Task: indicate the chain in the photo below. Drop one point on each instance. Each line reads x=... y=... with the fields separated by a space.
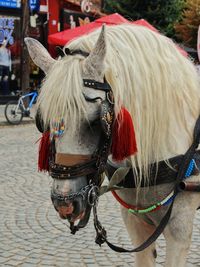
x=81 y=193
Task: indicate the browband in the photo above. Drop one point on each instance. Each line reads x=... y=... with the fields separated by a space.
x=76 y=52
x=67 y=51
x=97 y=85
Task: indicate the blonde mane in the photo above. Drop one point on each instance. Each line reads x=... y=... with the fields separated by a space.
x=148 y=76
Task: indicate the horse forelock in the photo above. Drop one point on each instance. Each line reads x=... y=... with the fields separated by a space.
x=148 y=76
x=61 y=95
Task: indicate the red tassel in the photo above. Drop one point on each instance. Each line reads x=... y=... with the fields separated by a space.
x=44 y=152
x=123 y=137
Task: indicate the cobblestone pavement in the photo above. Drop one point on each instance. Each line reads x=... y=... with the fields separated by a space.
x=31 y=233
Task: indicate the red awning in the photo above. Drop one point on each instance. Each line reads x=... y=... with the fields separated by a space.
x=62 y=38
x=144 y=23
x=112 y=19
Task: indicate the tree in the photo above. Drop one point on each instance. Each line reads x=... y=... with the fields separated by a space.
x=161 y=14
x=187 y=29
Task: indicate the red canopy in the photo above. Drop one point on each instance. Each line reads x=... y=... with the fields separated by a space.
x=62 y=38
x=144 y=23
x=112 y=19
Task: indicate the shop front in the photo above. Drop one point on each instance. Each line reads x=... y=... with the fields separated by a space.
x=69 y=14
x=10 y=63
x=11 y=43
x=46 y=17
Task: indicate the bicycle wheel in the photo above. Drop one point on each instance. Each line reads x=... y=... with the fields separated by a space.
x=13 y=112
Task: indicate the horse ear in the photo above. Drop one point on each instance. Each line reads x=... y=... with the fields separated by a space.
x=94 y=63
x=39 y=54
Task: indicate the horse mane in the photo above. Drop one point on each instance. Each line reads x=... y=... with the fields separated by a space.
x=148 y=75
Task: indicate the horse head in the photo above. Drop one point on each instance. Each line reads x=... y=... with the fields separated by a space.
x=81 y=150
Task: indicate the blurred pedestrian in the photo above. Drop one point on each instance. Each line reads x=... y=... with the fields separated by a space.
x=5 y=68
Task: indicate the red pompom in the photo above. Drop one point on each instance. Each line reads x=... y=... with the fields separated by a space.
x=44 y=152
x=123 y=136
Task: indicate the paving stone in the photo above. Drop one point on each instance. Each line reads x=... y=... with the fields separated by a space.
x=31 y=232
x=32 y=260
x=12 y=263
x=27 y=265
x=3 y=260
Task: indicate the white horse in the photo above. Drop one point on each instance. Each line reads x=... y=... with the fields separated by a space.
x=160 y=89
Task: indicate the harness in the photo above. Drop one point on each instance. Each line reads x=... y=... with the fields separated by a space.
x=97 y=165
x=162 y=173
x=183 y=169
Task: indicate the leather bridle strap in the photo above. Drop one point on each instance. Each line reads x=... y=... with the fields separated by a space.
x=71 y=159
x=101 y=232
x=97 y=85
x=59 y=171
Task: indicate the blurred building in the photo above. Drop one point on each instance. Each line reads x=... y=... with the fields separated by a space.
x=46 y=17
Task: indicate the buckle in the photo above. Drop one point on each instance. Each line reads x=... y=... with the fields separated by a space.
x=101 y=237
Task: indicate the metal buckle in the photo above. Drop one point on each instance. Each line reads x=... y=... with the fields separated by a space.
x=110 y=98
x=93 y=195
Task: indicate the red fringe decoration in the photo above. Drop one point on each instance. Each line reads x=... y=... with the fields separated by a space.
x=44 y=152
x=123 y=137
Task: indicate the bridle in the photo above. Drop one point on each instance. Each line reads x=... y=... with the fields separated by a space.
x=93 y=168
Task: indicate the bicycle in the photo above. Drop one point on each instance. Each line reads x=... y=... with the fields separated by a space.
x=16 y=110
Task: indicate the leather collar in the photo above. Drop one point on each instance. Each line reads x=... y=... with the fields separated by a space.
x=160 y=174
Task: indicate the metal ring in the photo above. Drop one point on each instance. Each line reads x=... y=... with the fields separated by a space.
x=108 y=98
x=93 y=195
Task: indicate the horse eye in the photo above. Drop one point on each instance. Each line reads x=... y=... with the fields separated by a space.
x=89 y=99
x=95 y=123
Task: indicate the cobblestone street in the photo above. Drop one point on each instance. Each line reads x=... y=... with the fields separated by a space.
x=31 y=232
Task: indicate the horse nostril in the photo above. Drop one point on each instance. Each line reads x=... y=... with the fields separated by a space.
x=65 y=210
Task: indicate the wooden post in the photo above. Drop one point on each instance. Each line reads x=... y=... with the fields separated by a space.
x=25 y=66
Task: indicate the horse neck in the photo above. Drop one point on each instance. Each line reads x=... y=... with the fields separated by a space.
x=183 y=136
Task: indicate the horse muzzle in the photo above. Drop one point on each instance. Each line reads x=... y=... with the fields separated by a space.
x=73 y=198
